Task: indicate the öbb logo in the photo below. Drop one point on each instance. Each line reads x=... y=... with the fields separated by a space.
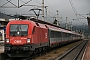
x=17 y=41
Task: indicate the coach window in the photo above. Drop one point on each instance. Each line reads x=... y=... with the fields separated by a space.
x=69 y=35
x=52 y=35
x=59 y=35
x=56 y=34
x=65 y=36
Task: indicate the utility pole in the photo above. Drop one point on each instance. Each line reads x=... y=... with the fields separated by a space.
x=71 y=26
x=43 y=10
x=46 y=12
x=83 y=28
x=66 y=22
x=57 y=17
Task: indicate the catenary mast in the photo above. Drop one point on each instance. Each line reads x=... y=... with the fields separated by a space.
x=43 y=10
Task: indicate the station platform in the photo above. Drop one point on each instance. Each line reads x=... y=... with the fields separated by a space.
x=86 y=55
x=1 y=42
x=1 y=47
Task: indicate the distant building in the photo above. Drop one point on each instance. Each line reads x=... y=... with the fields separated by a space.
x=5 y=16
x=4 y=19
x=3 y=22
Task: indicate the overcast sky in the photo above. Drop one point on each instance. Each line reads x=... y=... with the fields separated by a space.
x=63 y=6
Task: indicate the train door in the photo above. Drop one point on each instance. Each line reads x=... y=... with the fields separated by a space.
x=49 y=35
x=41 y=35
x=36 y=35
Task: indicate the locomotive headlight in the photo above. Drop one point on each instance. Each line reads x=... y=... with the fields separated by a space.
x=7 y=40
x=28 y=40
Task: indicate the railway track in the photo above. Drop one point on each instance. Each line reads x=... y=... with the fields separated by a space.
x=58 y=53
x=75 y=53
x=54 y=54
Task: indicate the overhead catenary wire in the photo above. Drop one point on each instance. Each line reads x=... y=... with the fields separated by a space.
x=75 y=12
x=38 y=2
x=73 y=8
x=53 y=7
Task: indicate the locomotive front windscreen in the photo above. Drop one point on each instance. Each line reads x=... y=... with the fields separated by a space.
x=18 y=30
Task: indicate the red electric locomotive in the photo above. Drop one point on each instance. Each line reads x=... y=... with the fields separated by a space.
x=25 y=37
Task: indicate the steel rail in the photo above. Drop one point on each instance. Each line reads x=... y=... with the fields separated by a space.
x=80 y=51
x=62 y=56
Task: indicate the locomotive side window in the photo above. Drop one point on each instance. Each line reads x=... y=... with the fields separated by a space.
x=18 y=30
x=33 y=30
